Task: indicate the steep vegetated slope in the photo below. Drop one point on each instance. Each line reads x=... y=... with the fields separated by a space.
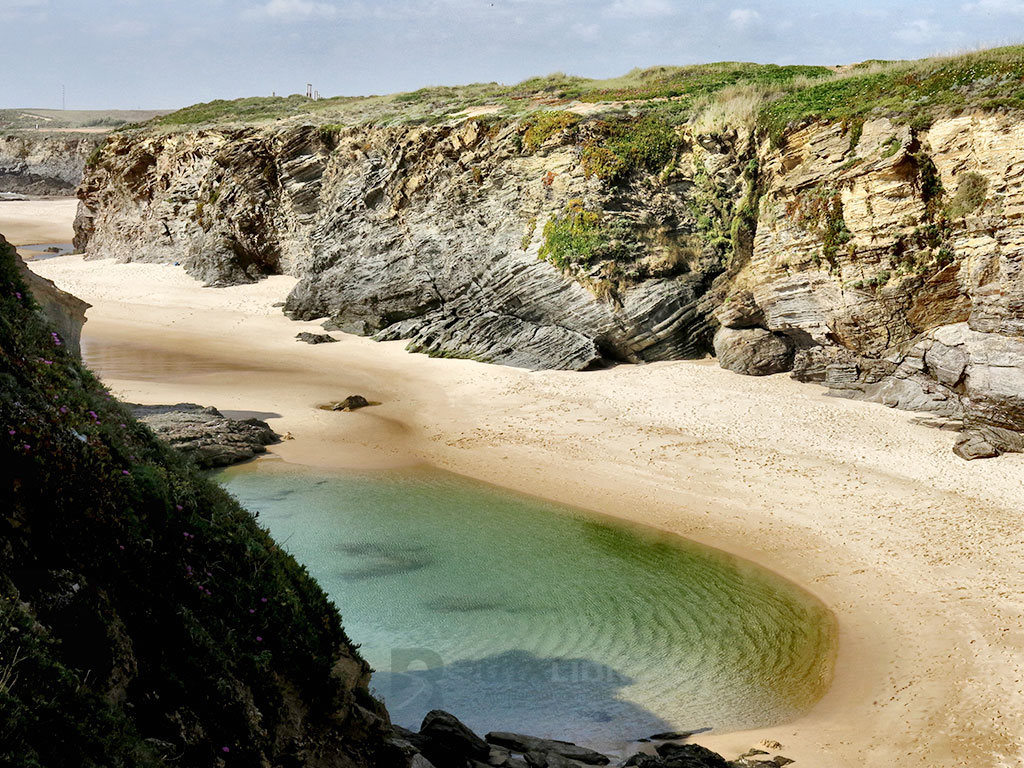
x=145 y=618
x=861 y=228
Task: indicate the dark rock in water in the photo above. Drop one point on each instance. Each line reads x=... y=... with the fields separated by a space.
x=449 y=742
x=350 y=403
x=205 y=434
x=671 y=736
x=315 y=338
x=690 y=756
x=518 y=742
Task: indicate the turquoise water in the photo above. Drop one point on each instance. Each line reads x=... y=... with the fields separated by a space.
x=518 y=614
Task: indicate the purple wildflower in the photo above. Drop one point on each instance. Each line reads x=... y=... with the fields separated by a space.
x=225 y=749
x=63 y=409
x=178 y=507
x=11 y=432
x=263 y=599
x=259 y=639
x=125 y=472
x=28 y=447
x=120 y=546
x=17 y=294
x=252 y=610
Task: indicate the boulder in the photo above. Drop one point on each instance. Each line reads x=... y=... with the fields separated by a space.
x=689 y=756
x=351 y=403
x=518 y=742
x=447 y=741
x=204 y=434
x=753 y=351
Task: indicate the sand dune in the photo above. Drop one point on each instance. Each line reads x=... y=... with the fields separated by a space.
x=917 y=552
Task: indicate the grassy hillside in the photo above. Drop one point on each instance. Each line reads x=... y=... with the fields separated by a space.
x=73 y=119
x=772 y=97
x=145 y=616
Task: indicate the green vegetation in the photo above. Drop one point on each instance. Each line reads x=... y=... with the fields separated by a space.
x=929 y=184
x=578 y=238
x=143 y=614
x=970 y=195
x=820 y=210
x=541 y=126
x=912 y=92
x=711 y=96
x=674 y=93
x=615 y=149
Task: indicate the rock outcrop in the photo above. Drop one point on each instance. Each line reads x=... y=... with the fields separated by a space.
x=893 y=265
x=429 y=234
x=205 y=435
x=44 y=164
x=879 y=260
x=443 y=741
x=65 y=312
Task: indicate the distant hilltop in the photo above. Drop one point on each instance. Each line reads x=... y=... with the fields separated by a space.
x=74 y=120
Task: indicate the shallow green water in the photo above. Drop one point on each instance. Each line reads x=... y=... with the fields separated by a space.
x=518 y=614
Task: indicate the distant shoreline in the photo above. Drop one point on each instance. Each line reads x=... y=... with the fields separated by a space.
x=914 y=550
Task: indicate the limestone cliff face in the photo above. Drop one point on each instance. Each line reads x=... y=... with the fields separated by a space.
x=44 y=164
x=883 y=262
x=891 y=264
x=429 y=234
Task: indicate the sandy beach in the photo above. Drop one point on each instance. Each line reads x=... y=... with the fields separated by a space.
x=917 y=552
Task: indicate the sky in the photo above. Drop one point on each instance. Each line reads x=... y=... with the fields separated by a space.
x=157 y=54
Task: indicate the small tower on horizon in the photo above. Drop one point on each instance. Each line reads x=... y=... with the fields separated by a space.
x=309 y=90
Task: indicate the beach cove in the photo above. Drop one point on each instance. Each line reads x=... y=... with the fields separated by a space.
x=865 y=507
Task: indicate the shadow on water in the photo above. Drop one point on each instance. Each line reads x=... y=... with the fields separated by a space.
x=381 y=559
x=566 y=698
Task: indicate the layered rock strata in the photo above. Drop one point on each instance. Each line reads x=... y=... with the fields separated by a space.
x=881 y=261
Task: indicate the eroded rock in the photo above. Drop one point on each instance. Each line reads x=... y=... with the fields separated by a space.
x=204 y=434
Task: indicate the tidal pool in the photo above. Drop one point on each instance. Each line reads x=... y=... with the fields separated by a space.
x=518 y=614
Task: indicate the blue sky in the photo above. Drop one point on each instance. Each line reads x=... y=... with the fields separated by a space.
x=163 y=53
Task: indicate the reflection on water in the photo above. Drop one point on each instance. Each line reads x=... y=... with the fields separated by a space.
x=517 y=614
x=131 y=361
x=40 y=251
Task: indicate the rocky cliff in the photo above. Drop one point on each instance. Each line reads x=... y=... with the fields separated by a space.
x=880 y=257
x=44 y=163
x=146 y=619
x=888 y=265
x=429 y=234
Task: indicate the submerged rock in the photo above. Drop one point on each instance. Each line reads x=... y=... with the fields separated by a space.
x=205 y=434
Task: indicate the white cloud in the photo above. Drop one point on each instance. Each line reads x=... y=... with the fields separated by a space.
x=586 y=31
x=639 y=9
x=999 y=7
x=22 y=9
x=292 y=10
x=745 y=17
x=917 y=31
x=125 y=28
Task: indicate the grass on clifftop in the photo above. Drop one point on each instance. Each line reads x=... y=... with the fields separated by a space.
x=914 y=92
x=144 y=615
x=720 y=94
